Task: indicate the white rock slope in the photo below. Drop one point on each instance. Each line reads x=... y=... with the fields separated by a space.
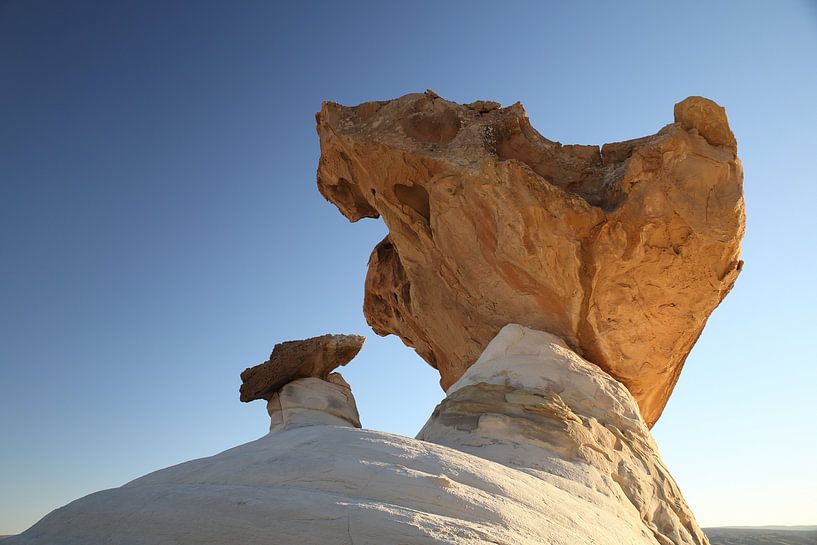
x=536 y=446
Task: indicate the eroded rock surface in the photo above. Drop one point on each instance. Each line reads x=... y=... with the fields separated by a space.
x=533 y=445
x=623 y=251
x=333 y=485
x=532 y=403
x=313 y=401
x=316 y=357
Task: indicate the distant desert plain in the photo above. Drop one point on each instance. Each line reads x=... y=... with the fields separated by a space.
x=765 y=535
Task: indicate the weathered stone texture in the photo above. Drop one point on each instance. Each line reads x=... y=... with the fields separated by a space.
x=316 y=357
x=623 y=250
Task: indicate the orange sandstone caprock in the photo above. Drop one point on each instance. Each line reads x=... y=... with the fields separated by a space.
x=623 y=251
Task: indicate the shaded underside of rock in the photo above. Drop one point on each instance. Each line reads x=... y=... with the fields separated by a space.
x=623 y=250
x=315 y=357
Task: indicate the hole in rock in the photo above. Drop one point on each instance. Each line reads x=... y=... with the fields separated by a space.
x=350 y=199
x=415 y=197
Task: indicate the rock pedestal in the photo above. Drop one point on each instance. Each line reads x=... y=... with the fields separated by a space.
x=312 y=401
x=532 y=403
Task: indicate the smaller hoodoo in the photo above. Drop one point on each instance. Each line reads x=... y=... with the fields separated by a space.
x=298 y=383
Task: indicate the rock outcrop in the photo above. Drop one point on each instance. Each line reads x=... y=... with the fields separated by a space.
x=533 y=445
x=532 y=403
x=311 y=401
x=623 y=251
x=512 y=263
x=315 y=357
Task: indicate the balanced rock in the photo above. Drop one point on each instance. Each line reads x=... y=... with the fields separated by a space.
x=315 y=357
x=623 y=251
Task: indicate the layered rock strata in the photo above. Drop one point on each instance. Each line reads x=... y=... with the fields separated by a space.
x=311 y=401
x=533 y=445
x=621 y=250
x=532 y=403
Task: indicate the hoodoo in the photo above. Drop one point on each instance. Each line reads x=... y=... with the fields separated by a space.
x=622 y=250
x=557 y=289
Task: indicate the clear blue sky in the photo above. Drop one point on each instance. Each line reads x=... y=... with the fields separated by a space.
x=160 y=227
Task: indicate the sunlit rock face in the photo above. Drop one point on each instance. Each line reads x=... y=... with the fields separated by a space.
x=622 y=250
x=532 y=445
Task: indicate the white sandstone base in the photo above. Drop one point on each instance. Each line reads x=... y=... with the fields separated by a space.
x=537 y=447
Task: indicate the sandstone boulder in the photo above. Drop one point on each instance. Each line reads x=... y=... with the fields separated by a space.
x=291 y=360
x=621 y=250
